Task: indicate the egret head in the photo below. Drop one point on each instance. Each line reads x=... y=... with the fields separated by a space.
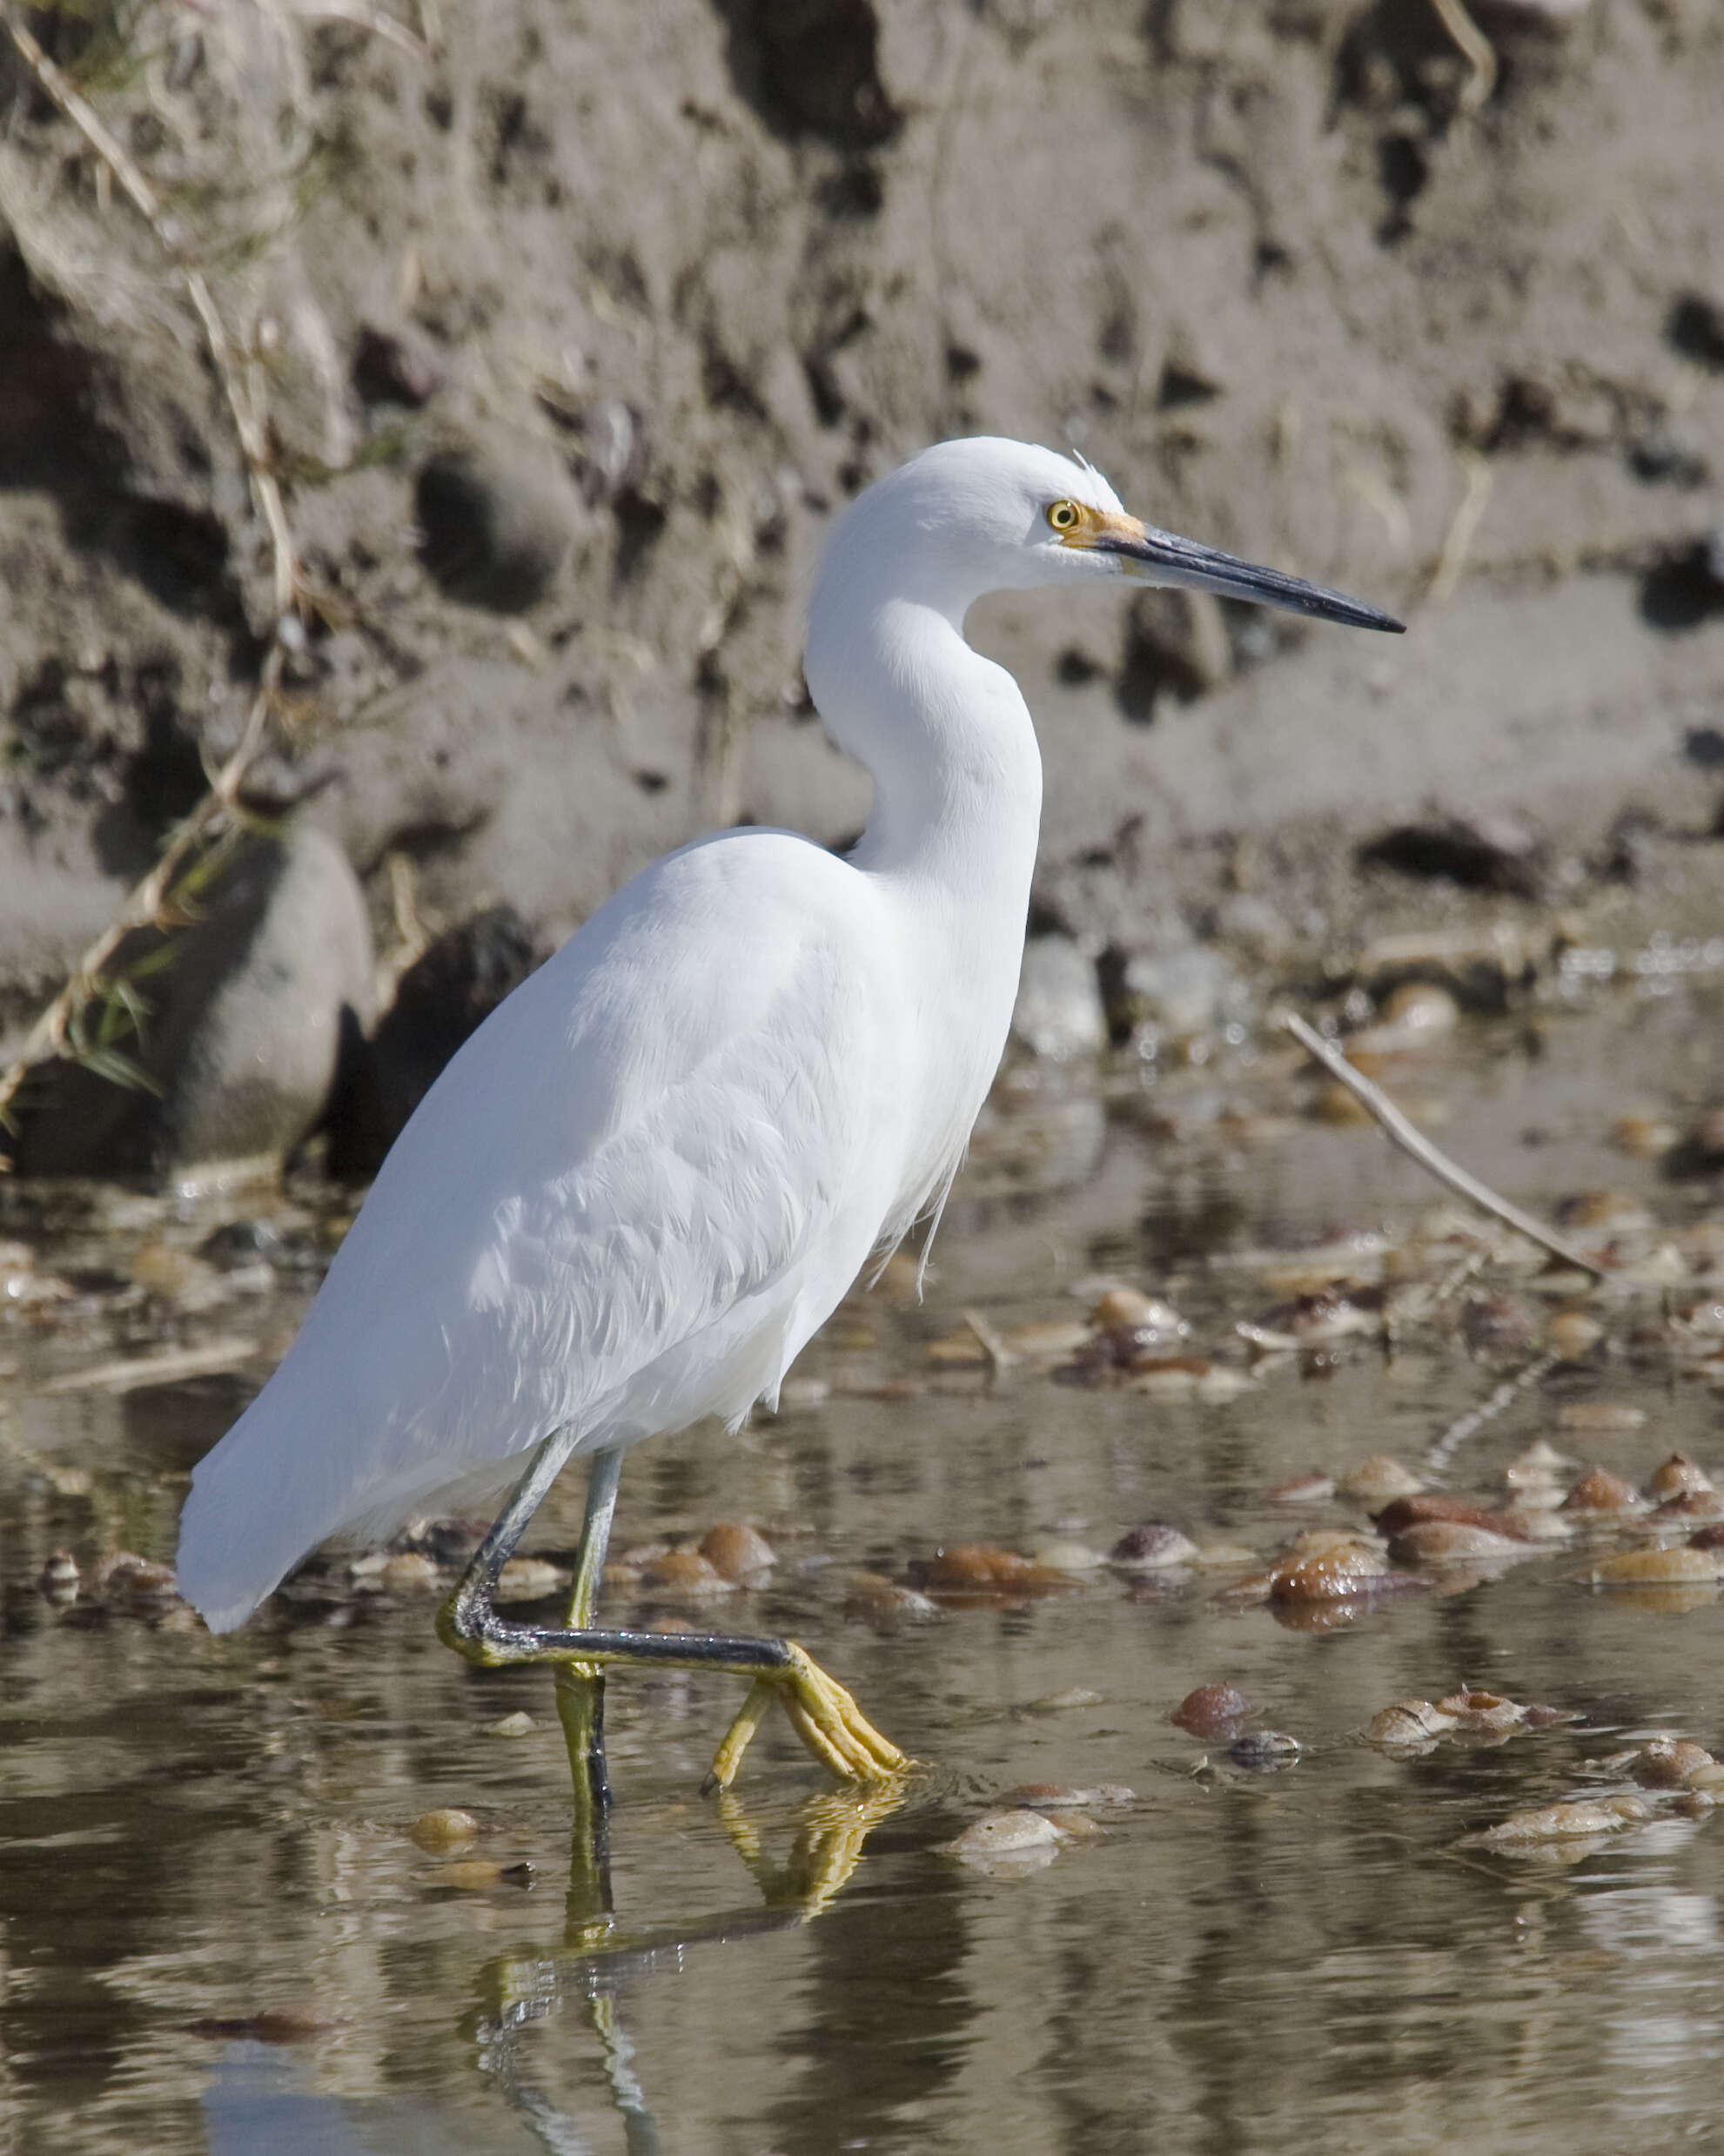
x=984 y=515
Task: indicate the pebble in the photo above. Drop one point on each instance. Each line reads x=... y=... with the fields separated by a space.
x=1153 y=1547
x=521 y=1724
x=1129 y=1310
x=444 y=1829
x=1407 y=1512
x=137 y=1585
x=1212 y=1712
x=1481 y=1714
x=1063 y=1554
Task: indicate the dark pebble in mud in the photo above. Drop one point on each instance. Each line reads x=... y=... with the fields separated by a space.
x=1212 y=1711
x=1264 y=1750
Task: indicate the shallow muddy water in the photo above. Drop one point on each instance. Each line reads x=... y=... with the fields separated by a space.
x=218 y=1933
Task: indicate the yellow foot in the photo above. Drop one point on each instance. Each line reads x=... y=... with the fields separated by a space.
x=822 y=1713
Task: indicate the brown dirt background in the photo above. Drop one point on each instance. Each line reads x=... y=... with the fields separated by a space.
x=1260 y=261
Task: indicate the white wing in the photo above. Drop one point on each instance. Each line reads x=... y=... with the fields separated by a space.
x=626 y=1203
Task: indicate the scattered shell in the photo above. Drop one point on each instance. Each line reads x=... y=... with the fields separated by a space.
x=1262 y=1749
x=1377 y=1480
x=1670 y=1764
x=870 y=1598
x=1571 y=1333
x=1597 y=1414
x=1074 y=1696
x=1329 y=1574
x=474 y=1875
x=1654 y=1568
x=1064 y=1554
x=1212 y=1711
x=1303 y=1489
x=1005 y=1842
x=1599 y=1490
x=1129 y=1310
x=1644 y=1136
x=137 y=1585
x=980 y=1568
x=1482 y=1713
x=1678 y=1476
x=444 y=1829
x=1556 y=1823
x=1444 y=1541
x=1540 y=1466
x=1408 y=1725
x=409 y=1573
x=59 y=1578
x=528 y=1580
x=1152 y=1547
x=1059 y=1796
x=737 y=1551
x=1407 y=1512
x=687 y=1574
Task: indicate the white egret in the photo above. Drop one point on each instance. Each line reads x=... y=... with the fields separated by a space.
x=652 y=1173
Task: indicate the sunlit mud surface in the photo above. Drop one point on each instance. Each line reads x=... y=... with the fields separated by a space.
x=218 y=1931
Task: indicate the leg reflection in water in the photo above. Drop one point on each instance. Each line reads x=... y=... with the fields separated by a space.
x=602 y=1957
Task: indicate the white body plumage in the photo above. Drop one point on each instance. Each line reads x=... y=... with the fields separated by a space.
x=653 y=1173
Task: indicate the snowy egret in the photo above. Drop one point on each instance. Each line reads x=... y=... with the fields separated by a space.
x=649 y=1176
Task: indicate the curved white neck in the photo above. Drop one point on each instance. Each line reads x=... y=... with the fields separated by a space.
x=948 y=741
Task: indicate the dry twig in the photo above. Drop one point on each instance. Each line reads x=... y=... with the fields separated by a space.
x=148 y=900
x=1476 y=50
x=1416 y=1147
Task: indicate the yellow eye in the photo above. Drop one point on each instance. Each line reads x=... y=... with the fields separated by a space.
x=1065 y=516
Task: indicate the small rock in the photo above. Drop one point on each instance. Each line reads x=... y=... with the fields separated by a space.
x=1490 y=852
x=1655 y=1568
x=1595 y=1415
x=1678 y=1476
x=1449 y=1542
x=1571 y=1333
x=1556 y=1822
x=961 y=1568
x=1667 y=1764
x=521 y=1724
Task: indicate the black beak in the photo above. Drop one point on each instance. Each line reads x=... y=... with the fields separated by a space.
x=1184 y=562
